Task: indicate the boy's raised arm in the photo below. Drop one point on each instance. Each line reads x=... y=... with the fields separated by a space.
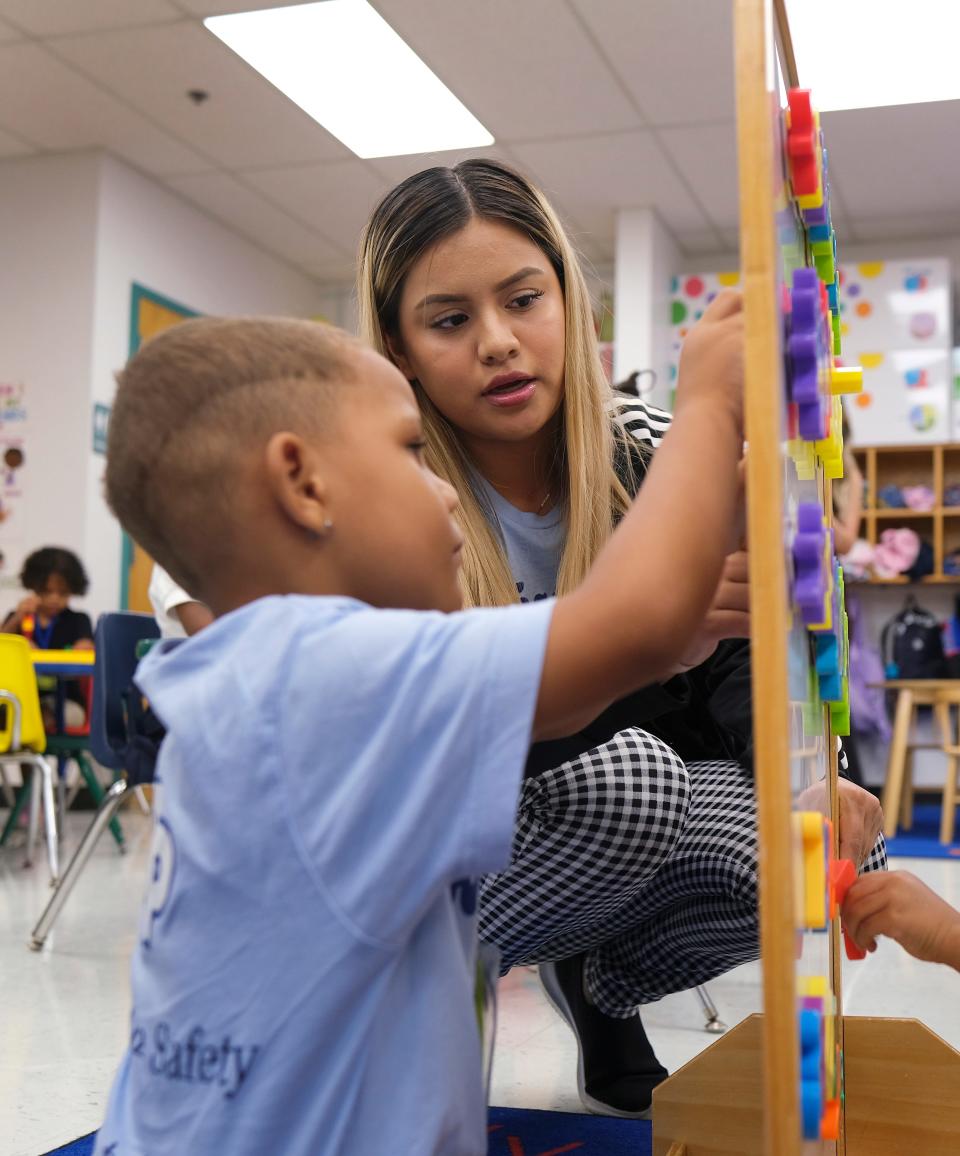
x=645 y=597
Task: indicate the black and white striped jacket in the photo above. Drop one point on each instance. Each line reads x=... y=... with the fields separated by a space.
x=704 y=714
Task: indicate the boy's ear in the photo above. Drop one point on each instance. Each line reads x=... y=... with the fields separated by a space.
x=295 y=480
x=399 y=358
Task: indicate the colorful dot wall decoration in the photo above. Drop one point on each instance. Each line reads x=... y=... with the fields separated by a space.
x=894 y=322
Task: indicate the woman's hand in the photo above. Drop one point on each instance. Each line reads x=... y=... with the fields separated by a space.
x=861 y=817
x=728 y=617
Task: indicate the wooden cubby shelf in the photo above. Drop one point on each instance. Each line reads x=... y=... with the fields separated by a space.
x=936 y=466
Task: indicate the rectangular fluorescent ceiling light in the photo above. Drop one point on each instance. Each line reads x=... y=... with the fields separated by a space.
x=343 y=64
x=871 y=53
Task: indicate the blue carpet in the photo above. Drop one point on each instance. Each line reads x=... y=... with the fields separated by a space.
x=923 y=841
x=81 y=1147
x=521 y=1132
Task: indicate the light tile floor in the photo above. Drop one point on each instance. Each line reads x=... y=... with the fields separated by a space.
x=63 y=1018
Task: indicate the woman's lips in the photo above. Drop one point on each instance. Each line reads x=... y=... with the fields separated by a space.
x=515 y=393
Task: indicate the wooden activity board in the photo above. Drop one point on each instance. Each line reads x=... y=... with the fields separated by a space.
x=801 y=1078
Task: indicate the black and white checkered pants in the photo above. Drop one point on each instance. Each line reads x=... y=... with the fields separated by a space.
x=646 y=864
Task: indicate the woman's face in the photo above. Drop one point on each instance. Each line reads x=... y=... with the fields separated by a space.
x=481 y=327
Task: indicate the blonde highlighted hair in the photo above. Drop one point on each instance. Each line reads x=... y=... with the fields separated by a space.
x=421 y=211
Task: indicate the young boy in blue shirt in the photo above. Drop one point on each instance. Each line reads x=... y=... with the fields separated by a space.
x=343 y=754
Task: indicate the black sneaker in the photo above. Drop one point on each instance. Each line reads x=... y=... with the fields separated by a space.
x=616 y=1067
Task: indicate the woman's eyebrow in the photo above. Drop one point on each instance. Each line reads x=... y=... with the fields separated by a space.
x=527 y=271
x=457 y=298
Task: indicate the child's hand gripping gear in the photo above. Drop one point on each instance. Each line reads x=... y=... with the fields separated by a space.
x=711 y=361
x=27 y=607
x=898 y=905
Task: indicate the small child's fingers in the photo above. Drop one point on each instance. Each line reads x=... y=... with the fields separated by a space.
x=871 y=928
x=861 y=906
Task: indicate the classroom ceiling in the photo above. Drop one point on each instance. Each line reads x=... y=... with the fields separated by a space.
x=607 y=103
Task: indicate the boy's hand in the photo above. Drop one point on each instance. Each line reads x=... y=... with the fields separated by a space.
x=898 y=905
x=728 y=617
x=711 y=360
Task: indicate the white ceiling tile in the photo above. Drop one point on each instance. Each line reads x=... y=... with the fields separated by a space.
x=698 y=242
x=675 y=58
x=247 y=212
x=12 y=146
x=731 y=239
x=219 y=7
x=397 y=169
x=525 y=70
x=245 y=121
x=894 y=162
x=590 y=178
x=913 y=227
x=706 y=155
x=50 y=105
x=336 y=198
x=8 y=33
x=60 y=17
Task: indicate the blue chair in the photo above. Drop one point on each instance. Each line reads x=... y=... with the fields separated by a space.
x=119 y=739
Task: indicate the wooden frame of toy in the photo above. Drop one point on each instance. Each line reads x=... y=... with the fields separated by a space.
x=801 y=1078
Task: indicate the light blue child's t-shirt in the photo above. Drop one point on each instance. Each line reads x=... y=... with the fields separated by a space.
x=333 y=779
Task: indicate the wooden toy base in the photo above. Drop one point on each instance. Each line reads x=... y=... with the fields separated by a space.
x=902 y=1085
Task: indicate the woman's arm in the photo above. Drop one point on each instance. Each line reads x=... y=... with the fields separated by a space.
x=846 y=520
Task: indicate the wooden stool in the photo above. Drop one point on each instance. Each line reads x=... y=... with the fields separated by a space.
x=898 y=789
x=951 y=748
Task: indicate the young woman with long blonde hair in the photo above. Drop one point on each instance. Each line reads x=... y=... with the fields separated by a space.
x=634 y=867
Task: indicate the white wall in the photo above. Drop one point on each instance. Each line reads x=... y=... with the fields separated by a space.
x=947 y=246
x=148 y=235
x=47 y=253
x=78 y=231
x=646 y=260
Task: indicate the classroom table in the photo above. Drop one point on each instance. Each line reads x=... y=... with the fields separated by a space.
x=63 y=663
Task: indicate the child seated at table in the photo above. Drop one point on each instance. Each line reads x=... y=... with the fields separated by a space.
x=344 y=753
x=54 y=575
x=897 y=904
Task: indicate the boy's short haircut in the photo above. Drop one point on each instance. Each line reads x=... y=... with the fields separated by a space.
x=49 y=560
x=189 y=403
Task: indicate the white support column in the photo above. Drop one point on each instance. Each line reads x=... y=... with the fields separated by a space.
x=646 y=261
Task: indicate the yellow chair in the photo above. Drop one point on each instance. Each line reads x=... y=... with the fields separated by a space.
x=23 y=741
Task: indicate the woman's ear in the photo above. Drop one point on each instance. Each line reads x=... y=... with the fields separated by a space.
x=398 y=357
x=296 y=483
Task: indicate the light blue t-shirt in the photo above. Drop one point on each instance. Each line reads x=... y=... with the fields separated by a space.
x=533 y=544
x=333 y=779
